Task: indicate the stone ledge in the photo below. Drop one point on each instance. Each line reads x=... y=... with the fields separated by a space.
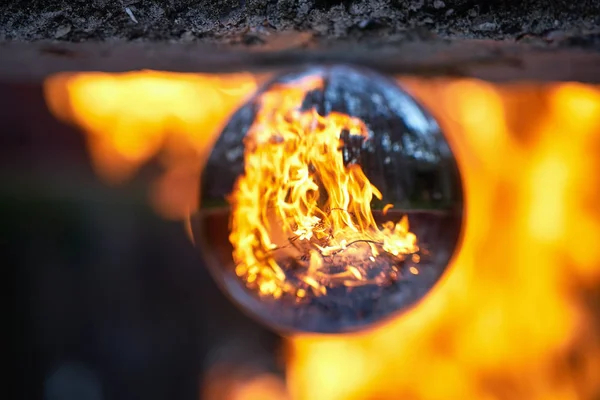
x=494 y=61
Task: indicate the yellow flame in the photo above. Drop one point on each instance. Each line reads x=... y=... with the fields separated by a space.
x=226 y=381
x=130 y=118
x=507 y=320
x=512 y=318
x=262 y=387
x=296 y=186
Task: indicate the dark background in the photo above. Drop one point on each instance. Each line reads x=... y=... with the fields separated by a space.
x=104 y=291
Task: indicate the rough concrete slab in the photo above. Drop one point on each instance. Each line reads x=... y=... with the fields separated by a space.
x=495 y=61
x=250 y=22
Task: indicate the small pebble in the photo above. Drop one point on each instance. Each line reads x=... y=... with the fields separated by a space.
x=129 y=12
x=555 y=35
x=62 y=31
x=416 y=5
x=187 y=36
x=437 y=4
x=486 y=27
x=321 y=28
x=250 y=39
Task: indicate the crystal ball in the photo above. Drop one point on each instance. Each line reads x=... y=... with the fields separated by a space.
x=330 y=202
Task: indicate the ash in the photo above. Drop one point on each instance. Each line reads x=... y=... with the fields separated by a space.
x=380 y=270
x=350 y=309
x=389 y=285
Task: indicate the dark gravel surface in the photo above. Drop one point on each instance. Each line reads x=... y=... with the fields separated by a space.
x=257 y=22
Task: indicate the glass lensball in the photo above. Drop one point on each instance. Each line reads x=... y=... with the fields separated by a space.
x=331 y=201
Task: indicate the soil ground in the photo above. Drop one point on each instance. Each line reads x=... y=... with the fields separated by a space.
x=254 y=23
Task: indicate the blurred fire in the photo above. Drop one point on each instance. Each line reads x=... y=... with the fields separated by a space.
x=517 y=315
x=227 y=381
x=131 y=118
x=510 y=319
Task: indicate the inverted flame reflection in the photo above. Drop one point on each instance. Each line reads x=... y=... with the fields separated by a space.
x=298 y=200
x=516 y=316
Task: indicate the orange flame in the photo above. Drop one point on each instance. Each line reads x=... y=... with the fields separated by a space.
x=296 y=187
x=514 y=316
x=229 y=382
x=509 y=319
x=133 y=117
